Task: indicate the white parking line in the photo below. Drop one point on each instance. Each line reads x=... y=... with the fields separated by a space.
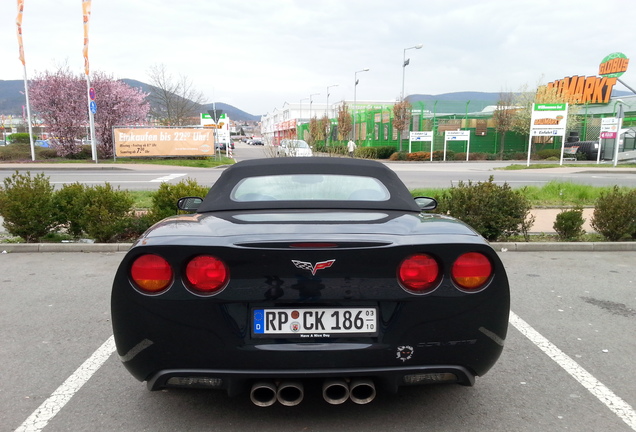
x=167 y=178
x=50 y=407
x=621 y=408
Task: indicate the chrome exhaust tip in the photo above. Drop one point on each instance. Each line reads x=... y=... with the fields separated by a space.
x=263 y=393
x=335 y=391
x=290 y=393
x=362 y=391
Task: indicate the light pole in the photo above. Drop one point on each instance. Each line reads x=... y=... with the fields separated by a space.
x=355 y=87
x=405 y=63
x=328 y=115
x=300 y=117
x=311 y=102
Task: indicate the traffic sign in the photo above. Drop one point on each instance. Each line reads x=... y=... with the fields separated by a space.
x=91 y=93
x=93 y=107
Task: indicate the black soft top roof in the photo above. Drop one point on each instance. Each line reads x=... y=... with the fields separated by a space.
x=218 y=198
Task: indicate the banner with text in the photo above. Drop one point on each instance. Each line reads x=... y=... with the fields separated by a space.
x=163 y=142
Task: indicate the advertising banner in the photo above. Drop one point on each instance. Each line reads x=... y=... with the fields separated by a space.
x=19 y=24
x=135 y=142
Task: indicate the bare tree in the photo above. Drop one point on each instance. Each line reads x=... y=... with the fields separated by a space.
x=344 y=122
x=174 y=102
x=401 y=118
x=503 y=118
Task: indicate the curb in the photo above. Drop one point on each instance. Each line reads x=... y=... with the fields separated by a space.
x=499 y=247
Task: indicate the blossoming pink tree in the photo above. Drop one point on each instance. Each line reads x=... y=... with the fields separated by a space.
x=60 y=98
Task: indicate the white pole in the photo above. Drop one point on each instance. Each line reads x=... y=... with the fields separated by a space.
x=28 y=107
x=91 y=119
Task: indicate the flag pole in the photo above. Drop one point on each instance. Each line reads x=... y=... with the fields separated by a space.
x=18 y=22
x=28 y=108
x=92 y=106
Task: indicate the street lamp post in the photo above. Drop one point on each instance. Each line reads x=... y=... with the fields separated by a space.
x=405 y=63
x=328 y=115
x=355 y=87
x=311 y=102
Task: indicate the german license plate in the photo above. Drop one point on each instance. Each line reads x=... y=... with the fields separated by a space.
x=314 y=322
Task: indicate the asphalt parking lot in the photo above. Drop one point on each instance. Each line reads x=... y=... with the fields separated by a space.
x=568 y=363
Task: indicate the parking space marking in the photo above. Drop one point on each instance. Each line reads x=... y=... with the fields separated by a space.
x=621 y=408
x=60 y=397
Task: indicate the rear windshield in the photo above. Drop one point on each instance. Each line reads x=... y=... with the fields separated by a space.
x=309 y=187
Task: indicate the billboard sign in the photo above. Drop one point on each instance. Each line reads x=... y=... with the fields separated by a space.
x=135 y=142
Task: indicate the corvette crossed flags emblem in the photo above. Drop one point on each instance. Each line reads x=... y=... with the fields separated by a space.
x=313 y=268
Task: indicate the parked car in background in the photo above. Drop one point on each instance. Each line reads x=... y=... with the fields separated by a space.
x=294 y=272
x=289 y=147
x=41 y=143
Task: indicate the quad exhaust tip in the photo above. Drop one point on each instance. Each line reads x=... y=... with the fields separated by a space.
x=263 y=394
x=362 y=391
x=291 y=393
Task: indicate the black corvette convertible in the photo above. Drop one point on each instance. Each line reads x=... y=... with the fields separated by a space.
x=323 y=272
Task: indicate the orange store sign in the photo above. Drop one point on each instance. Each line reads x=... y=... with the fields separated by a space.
x=592 y=89
x=582 y=90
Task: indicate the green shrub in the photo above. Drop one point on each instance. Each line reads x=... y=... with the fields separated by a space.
x=70 y=203
x=164 y=201
x=399 y=156
x=384 y=152
x=21 y=138
x=615 y=214
x=26 y=204
x=493 y=211
x=107 y=214
x=569 y=224
x=549 y=153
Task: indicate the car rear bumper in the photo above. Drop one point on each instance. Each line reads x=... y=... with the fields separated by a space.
x=238 y=381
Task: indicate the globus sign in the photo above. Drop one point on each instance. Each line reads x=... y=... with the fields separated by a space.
x=614 y=65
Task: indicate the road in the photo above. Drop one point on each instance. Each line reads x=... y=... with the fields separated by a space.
x=414 y=175
x=568 y=363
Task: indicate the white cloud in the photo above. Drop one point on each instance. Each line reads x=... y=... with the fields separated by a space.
x=257 y=55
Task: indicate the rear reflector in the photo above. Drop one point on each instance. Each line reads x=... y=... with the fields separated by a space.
x=151 y=273
x=419 y=273
x=471 y=271
x=430 y=378
x=195 y=382
x=206 y=275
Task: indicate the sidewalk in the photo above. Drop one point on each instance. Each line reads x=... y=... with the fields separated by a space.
x=543 y=224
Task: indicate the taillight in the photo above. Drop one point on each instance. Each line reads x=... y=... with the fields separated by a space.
x=471 y=271
x=206 y=275
x=419 y=273
x=151 y=273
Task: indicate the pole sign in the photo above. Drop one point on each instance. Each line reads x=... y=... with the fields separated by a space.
x=91 y=93
x=609 y=128
x=458 y=135
x=421 y=136
x=548 y=120
x=93 y=107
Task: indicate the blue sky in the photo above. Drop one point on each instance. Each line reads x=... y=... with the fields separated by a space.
x=257 y=55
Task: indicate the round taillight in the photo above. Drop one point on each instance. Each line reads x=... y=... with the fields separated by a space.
x=471 y=271
x=151 y=273
x=419 y=274
x=206 y=274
